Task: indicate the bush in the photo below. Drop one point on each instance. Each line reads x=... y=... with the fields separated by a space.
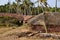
x=9 y=21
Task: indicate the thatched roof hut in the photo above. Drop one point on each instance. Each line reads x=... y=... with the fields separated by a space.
x=51 y=19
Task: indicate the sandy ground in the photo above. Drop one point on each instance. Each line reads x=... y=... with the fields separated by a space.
x=10 y=33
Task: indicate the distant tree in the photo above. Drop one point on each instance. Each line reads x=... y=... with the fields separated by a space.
x=13 y=7
x=18 y=8
x=27 y=5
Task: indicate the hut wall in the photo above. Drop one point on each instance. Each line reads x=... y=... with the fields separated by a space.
x=38 y=28
x=51 y=28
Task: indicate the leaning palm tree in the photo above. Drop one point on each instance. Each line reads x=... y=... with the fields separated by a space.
x=44 y=1
x=38 y=1
x=45 y=18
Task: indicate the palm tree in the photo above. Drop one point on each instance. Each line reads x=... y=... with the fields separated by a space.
x=30 y=6
x=24 y=5
x=34 y=8
x=44 y=1
x=38 y=8
x=13 y=7
x=27 y=7
x=9 y=6
x=39 y=2
x=18 y=5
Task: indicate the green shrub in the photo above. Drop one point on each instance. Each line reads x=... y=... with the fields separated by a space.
x=9 y=21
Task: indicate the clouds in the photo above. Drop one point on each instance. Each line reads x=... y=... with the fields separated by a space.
x=2 y=2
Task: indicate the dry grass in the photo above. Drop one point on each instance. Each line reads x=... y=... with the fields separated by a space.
x=3 y=29
x=5 y=34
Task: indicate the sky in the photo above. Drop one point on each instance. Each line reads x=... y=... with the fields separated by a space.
x=50 y=2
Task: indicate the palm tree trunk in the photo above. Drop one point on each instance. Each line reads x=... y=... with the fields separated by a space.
x=56 y=6
x=45 y=18
x=20 y=8
x=45 y=24
x=30 y=12
x=17 y=9
x=24 y=9
x=34 y=9
x=9 y=5
x=38 y=7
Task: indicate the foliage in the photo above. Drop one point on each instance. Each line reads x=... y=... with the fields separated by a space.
x=26 y=7
x=9 y=21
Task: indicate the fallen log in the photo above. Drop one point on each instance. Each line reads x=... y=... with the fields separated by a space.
x=45 y=35
x=50 y=35
x=29 y=34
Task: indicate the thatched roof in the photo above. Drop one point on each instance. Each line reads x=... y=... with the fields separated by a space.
x=27 y=17
x=51 y=19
